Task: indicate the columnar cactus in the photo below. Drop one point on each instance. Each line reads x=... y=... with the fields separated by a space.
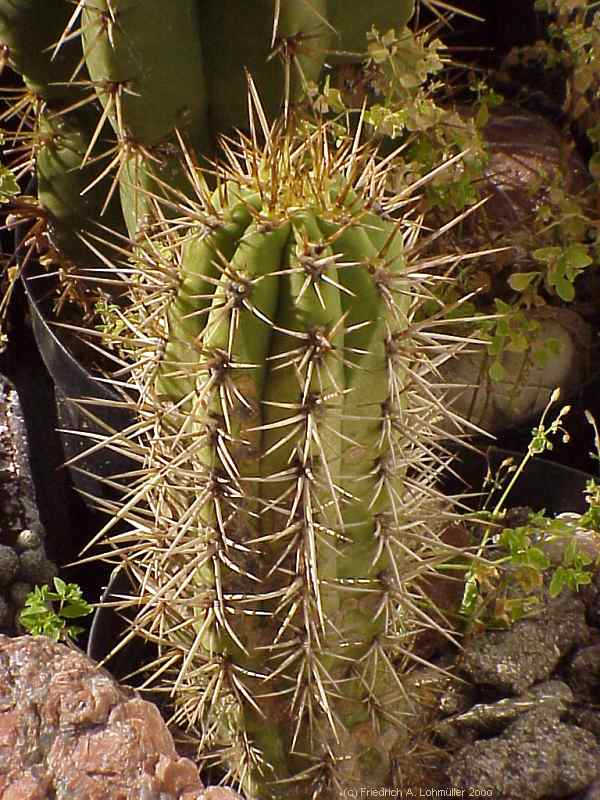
x=280 y=529
x=157 y=73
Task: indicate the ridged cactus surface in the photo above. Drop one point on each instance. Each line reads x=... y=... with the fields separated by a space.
x=280 y=523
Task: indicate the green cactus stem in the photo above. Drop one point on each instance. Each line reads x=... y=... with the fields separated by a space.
x=69 y=192
x=161 y=73
x=28 y=31
x=147 y=67
x=261 y=35
x=280 y=527
x=350 y=28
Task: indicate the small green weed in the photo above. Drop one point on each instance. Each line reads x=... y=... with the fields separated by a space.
x=513 y=565
x=48 y=612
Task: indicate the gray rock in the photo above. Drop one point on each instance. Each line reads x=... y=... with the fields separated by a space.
x=538 y=756
x=9 y=565
x=457 y=698
x=527 y=653
x=586 y=717
x=18 y=593
x=584 y=670
x=592 y=792
x=28 y=540
x=6 y=614
x=492 y=718
x=592 y=593
x=35 y=567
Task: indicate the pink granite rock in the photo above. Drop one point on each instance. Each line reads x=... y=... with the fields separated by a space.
x=69 y=731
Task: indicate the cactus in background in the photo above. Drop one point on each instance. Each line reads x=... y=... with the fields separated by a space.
x=152 y=74
x=55 y=138
x=285 y=516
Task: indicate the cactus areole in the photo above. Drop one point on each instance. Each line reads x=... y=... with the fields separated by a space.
x=278 y=528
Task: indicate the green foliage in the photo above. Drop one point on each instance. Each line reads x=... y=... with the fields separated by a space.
x=9 y=187
x=563 y=265
x=48 y=612
x=591 y=518
x=110 y=324
x=570 y=49
x=519 y=563
x=400 y=95
x=510 y=330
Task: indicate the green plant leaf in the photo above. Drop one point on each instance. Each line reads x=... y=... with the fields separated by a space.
x=577 y=256
x=594 y=166
x=558 y=582
x=496 y=371
x=546 y=254
x=40 y=616
x=537 y=558
x=8 y=184
x=519 y=281
x=76 y=608
x=565 y=289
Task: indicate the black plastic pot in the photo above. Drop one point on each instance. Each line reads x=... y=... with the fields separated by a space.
x=543 y=485
x=51 y=382
x=108 y=628
x=78 y=421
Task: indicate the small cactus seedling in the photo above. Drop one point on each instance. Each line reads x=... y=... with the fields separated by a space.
x=284 y=516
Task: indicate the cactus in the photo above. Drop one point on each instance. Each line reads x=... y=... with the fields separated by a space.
x=157 y=73
x=284 y=519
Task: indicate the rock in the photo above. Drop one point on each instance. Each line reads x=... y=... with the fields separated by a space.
x=35 y=568
x=527 y=653
x=591 y=793
x=527 y=153
x=18 y=593
x=23 y=557
x=528 y=384
x=6 y=616
x=17 y=494
x=592 y=596
x=28 y=540
x=69 y=731
x=457 y=698
x=527 y=156
x=586 y=717
x=584 y=670
x=9 y=565
x=485 y=719
x=537 y=756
